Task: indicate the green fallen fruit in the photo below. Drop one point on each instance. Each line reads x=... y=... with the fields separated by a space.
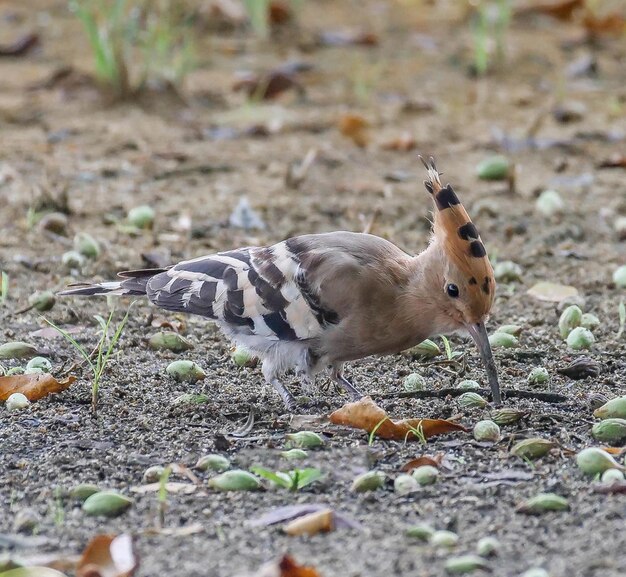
x=514 y=330
x=153 y=474
x=16 y=402
x=488 y=546
x=506 y=416
x=500 y=340
x=570 y=319
x=370 y=481
x=580 y=338
x=468 y=385
x=304 y=440
x=141 y=216
x=507 y=271
x=414 y=382
x=549 y=203
x=533 y=448
x=615 y=408
x=425 y=350
x=242 y=357
x=425 y=474
x=496 y=167
x=538 y=376
x=86 y=245
x=42 y=301
x=39 y=363
x=421 y=531
x=471 y=400
x=445 y=539
x=404 y=484
x=589 y=321
x=235 y=480
x=17 y=350
x=294 y=454
x=594 y=461
x=542 y=503
x=213 y=462
x=465 y=564
x=185 y=370
x=171 y=341
x=83 y=491
x=610 y=430
x=486 y=431
x=190 y=399
x=619 y=276
x=73 y=259
x=611 y=476
x=106 y=504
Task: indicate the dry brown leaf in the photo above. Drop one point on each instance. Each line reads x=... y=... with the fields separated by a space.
x=184 y=531
x=267 y=86
x=402 y=143
x=348 y=38
x=34 y=387
x=311 y=524
x=367 y=415
x=354 y=127
x=616 y=160
x=423 y=460
x=614 y=450
x=551 y=292
x=612 y=24
x=108 y=556
x=561 y=9
x=289 y=568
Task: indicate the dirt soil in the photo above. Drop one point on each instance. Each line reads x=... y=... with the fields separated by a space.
x=192 y=159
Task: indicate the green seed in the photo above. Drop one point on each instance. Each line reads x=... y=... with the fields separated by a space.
x=570 y=319
x=580 y=338
x=414 y=382
x=594 y=461
x=507 y=416
x=171 y=341
x=15 y=371
x=141 y=216
x=507 y=271
x=487 y=431
x=549 y=203
x=235 y=480
x=535 y=572
x=500 y=340
x=514 y=330
x=153 y=474
x=611 y=476
x=488 y=546
x=16 y=402
x=468 y=385
x=42 y=301
x=242 y=357
x=538 y=376
x=533 y=448
x=610 y=430
x=73 y=259
x=39 y=363
x=615 y=408
x=106 y=504
x=465 y=564
x=542 y=503
x=404 y=484
x=425 y=350
x=187 y=371
x=294 y=454
x=83 y=491
x=619 y=277
x=444 y=539
x=471 y=400
x=17 y=350
x=33 y=371
x=421 y=531
x=370 y=481
x=497 y=167
x=213 y=462
x=29 y=571
x=425 y=474
x=190 y=399
x=86 y=245
x=304 y=440
x=589 y=321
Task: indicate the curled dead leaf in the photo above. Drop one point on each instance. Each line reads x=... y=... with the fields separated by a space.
x=354 y=127
x=285 y=566
x=402 y=143
x=267 y=86
x=311 y=524
x=367 y=415
x=423 y=460
x=108 y=556
x=33 y=386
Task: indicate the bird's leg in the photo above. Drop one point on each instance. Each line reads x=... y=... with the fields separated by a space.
x=336 y=374
x=285 y=395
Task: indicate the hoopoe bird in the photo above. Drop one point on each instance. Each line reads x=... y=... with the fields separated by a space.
x=315 y=301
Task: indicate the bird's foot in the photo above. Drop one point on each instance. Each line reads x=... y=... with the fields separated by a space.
x=346 y=385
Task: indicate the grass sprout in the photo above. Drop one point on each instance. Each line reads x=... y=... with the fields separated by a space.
x=447 y=347
x=418 y=432
x=162 y=494
x=137 y=42
x=621 y=309
x=292 y=480
x=490 y=27
x=370 y=440
x=102 y=352
x=4 y=287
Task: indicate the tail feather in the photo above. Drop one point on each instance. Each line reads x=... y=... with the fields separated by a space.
x=134 y=284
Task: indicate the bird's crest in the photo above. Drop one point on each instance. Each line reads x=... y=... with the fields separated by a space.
x=460 y=239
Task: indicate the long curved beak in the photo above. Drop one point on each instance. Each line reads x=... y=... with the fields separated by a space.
x=479 y=334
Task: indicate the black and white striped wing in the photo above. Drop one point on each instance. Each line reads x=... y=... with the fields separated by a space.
x=254 y=291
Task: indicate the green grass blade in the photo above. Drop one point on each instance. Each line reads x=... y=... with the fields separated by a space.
x=81 y=350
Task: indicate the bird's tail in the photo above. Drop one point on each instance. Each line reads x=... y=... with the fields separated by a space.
x=133 y=283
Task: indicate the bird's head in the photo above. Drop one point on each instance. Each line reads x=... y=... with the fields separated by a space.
x=468 y=285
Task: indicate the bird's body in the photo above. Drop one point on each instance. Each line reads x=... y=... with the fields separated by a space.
x=316 y=301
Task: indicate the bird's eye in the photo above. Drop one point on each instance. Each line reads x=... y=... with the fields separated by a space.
x=452 y=290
